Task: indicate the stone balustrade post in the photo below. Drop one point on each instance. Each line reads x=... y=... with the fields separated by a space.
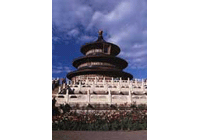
x=67 y=94
x=93 y=87
x=112 y=81
x=128 y=81
x=88 y=96
x=95 y=80
x=119 y=87
x=104 y=81
x=120 y=81
x=105 y=87
x=130 y=97
x=59 y=89
x=110 y=97
x=79 y=86
x=63 y=85
x=86 y=81
x=136 y=82
x=131 y=87
x=143 y=85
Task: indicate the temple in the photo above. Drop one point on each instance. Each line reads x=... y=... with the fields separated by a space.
x=100 y=79
x=100 y=61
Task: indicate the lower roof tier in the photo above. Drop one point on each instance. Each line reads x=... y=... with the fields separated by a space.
x=118 y=62
x=104 y=72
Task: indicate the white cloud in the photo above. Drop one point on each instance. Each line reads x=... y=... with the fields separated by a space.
x=123 y=22
x=67 y=69
x=73 y=32
x=86 y=38
x=68 y=14
x=126 y=26
x=60 y=69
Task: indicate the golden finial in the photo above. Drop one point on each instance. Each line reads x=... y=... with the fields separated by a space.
x=100 y=32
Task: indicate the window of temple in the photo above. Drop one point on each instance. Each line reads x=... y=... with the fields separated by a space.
x=94 y=51
x=94 y=63
x=105 y=50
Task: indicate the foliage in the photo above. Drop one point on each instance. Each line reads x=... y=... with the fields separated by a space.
x=142 y=107
x=117 y=120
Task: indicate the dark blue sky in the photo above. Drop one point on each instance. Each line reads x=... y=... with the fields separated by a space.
x=77 y=22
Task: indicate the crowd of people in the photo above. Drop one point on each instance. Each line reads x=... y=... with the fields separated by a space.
x=58 y=81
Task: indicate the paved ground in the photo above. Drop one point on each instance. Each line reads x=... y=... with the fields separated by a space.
x=99 y=135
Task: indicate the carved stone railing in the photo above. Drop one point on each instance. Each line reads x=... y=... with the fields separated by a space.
x=134 y=91
x=100 y=99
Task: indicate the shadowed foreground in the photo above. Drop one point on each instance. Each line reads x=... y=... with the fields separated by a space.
x=99 y=135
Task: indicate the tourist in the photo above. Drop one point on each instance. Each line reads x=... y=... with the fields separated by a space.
x=57 y=82
x=53 y=84
x=63 y=81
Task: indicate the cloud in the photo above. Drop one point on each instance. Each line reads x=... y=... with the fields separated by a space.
x=68 y=14
x=73 y=32
x=86 y=38
x=60 y=69
x=124 y=23
x=126 y=26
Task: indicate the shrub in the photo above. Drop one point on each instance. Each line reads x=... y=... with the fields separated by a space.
x=142 y=107
x=104 y=121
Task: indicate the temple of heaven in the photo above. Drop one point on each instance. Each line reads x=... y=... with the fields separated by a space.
x=100 y=61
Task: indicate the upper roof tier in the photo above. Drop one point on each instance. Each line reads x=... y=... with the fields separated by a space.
x=101 y=44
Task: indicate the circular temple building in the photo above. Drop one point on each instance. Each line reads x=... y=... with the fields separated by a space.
x=99 y=61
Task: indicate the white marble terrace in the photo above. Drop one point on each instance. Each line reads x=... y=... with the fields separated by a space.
x=103 y=92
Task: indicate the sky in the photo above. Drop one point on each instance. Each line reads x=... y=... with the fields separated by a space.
x=76 y=22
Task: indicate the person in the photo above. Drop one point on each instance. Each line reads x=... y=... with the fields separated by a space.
x=60 y=81
x=53 y=102
x=53 y=84
x=63 y=91
x=57 y=82
x=63 y=81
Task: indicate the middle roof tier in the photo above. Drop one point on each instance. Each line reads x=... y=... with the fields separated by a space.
x=102 y=59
